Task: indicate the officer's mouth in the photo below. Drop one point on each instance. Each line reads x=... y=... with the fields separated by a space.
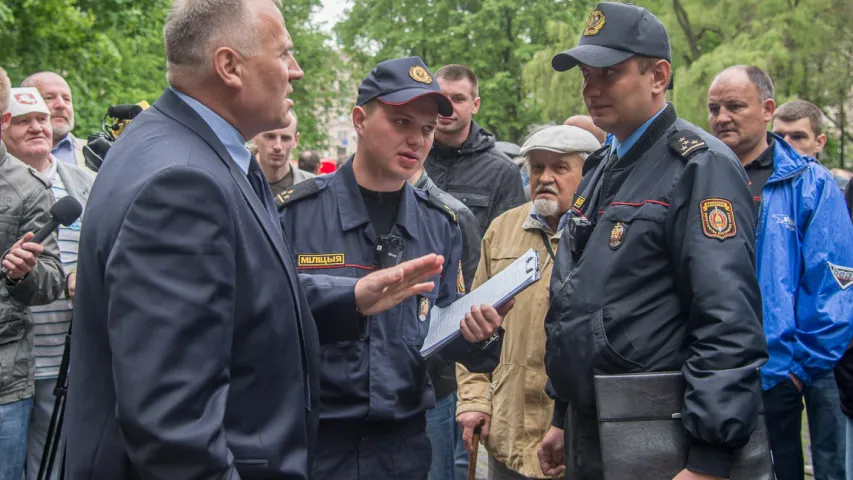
x=408 y=158
x=446 y=120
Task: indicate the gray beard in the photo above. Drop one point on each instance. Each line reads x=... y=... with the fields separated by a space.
x=546 y=207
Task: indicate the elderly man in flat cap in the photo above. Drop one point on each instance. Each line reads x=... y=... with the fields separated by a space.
x=518 y=408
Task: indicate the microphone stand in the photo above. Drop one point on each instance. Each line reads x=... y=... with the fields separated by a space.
x=54 y=432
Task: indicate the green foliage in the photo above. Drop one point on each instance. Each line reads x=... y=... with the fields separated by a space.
x=111 y=52
x=495 y=38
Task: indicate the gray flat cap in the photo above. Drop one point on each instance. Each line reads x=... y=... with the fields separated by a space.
x=561 y=139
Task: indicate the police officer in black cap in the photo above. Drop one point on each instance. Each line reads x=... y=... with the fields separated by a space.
x=658 y=270
x=365 y=216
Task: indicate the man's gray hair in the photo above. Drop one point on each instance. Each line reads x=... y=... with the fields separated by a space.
x=5 y=89
x=195 y=29
x=758 y=77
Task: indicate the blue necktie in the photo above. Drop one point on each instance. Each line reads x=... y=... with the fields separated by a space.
x=262 y=190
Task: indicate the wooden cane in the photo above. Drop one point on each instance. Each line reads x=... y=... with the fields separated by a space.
x=475 y=443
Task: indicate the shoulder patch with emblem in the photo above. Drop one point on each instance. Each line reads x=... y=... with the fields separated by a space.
x=685 y=143
x=436 y=203
x=300 y=190
x=843 y=275
x=718 y=218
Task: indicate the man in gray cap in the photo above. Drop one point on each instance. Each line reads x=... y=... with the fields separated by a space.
x=661 y=216
x=512 y=403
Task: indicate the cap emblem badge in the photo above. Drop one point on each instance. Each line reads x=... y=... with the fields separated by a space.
x=420 y=74
x=595 y=23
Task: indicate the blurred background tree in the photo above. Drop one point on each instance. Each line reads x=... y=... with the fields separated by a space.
x=111 y=51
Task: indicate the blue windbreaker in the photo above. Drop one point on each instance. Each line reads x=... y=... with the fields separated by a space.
x=804 y=250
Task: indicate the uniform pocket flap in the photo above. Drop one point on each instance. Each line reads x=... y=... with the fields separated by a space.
x=651 y=210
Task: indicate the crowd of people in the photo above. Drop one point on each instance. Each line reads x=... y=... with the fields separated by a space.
x=238 y=314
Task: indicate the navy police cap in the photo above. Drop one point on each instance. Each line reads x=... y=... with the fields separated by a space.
x=401 y=80
x=614 y=32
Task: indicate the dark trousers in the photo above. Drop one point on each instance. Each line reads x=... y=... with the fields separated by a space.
x=583 y=447
x=826 y=428
x=352 y=450
x=783 y=407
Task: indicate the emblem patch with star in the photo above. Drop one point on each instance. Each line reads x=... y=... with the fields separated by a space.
x=594 y=23
x=718 y=218
x=843 y=275
x=419 y=74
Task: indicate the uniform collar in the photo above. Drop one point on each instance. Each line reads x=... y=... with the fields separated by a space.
x=621 y=148
x=351 y=204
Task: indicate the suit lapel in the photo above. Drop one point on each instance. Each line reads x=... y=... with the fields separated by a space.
x=172 y=106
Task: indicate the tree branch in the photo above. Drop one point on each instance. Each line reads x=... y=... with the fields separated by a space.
x=832 y=120
x=684 y=23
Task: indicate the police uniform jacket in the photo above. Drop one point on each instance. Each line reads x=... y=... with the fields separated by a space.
x=665 y=282
x=381 y=376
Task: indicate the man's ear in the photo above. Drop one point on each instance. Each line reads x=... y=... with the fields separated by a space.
x=769 y=108
x=228 y=66
x=661 y=75
x=5 y=120
x=476 y=106
x=296 y=140
x=821 y=142
x=359 y=118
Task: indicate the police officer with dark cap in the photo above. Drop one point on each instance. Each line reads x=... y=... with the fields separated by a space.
x=366 y=216
x=657 y=272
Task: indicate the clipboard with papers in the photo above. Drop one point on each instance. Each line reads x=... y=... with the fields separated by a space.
x=444 y=321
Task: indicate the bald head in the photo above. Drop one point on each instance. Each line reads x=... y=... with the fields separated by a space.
x=57 y=95
x=585 y=122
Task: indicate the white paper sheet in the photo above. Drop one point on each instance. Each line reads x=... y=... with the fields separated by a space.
x=444 y=321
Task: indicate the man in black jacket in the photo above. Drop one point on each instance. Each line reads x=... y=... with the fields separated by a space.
x=443 y=432
x=658 y=271
x=464 y=161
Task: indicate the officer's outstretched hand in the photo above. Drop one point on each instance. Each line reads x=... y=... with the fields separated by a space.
x=483 y=320
x=386 y=288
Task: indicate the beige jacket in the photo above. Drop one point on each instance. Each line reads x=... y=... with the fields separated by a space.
x=514 y=396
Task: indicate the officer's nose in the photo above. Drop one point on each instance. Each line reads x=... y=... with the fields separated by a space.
x=276 y=147
x=415 y=141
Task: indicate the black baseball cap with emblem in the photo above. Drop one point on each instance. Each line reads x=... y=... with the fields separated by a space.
x=400 y=81
x=614 y=32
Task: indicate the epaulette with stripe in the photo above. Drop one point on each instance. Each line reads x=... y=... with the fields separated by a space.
x=436 y=203
x=301 y=190
x=685 y=143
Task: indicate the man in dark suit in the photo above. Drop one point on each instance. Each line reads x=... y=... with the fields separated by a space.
x=195 y=351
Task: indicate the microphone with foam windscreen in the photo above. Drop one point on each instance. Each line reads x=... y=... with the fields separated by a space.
x=63 y=212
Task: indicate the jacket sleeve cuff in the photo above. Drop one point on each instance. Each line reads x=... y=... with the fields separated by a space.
x=465 y=406
x=559 y=417
x=801 y=374
x=714 y=460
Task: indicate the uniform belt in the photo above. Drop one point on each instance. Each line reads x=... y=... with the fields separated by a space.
x=359 y=430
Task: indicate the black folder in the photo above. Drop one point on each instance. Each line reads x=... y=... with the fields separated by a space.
x=642 y=437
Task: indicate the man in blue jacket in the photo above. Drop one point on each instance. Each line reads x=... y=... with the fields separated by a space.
x=804 y=254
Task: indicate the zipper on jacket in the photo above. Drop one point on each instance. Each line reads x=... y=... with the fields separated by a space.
x=762 y=209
